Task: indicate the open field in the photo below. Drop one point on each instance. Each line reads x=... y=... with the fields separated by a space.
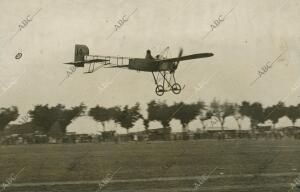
x=240 y=165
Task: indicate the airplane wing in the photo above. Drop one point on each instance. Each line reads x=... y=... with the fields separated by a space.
x=187 y=57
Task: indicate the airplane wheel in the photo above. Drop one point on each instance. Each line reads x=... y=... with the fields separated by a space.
x=159 y=90
x=176 y=88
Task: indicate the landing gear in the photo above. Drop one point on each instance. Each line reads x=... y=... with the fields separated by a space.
x=169 y=83
x=159 y=90
x=176 y=88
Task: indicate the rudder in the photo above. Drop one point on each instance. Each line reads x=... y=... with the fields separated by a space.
x=80 y=52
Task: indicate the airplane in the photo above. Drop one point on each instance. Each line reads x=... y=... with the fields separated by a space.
x=163 y=67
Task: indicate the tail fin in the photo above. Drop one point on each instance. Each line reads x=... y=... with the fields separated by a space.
x=80 y=52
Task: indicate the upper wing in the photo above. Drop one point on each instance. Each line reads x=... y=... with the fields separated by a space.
x=187 y=57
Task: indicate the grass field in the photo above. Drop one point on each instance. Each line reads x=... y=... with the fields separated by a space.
x=239 y=165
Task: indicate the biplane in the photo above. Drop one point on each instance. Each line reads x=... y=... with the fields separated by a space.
x=162 y=68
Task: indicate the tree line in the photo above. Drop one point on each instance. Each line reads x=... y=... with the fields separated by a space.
x=44 y=117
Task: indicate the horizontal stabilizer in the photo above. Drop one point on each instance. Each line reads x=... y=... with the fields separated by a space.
x=95 y=60
x=118 y=66
x=81 y=63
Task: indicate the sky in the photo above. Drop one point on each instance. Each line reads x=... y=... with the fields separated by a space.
x=252 y=34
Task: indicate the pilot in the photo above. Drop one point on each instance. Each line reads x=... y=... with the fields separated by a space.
x=148 y=55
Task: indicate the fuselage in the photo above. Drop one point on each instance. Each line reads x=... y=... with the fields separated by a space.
x=150 y=65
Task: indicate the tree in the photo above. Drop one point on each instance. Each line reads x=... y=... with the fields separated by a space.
x=100 y=114
x=114 y=112
x=254 y=112
x=203 y=117
x=126 y=117
x=237 y=115
x=161 y=112
x=45 y=117
x=275 y=112
x=221 y=111
x=69 y=115
x=56 y=130
x=7 y=115
x=186 y=113
x=146 y=124
x=293 y=113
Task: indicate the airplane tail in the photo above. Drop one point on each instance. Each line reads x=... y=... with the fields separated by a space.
x=79 y=57
x=80 y=52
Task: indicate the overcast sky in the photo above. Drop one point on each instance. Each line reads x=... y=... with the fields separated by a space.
x=253 y=33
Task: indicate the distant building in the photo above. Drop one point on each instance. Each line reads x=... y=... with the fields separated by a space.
x=160 y=134
x=290 y=130
x=108 y=135
x=263 y=128
x=19 y=129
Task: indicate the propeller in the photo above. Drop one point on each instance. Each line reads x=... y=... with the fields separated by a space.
x=179 y=55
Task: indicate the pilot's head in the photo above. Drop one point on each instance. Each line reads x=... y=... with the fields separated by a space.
x=148 y=51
